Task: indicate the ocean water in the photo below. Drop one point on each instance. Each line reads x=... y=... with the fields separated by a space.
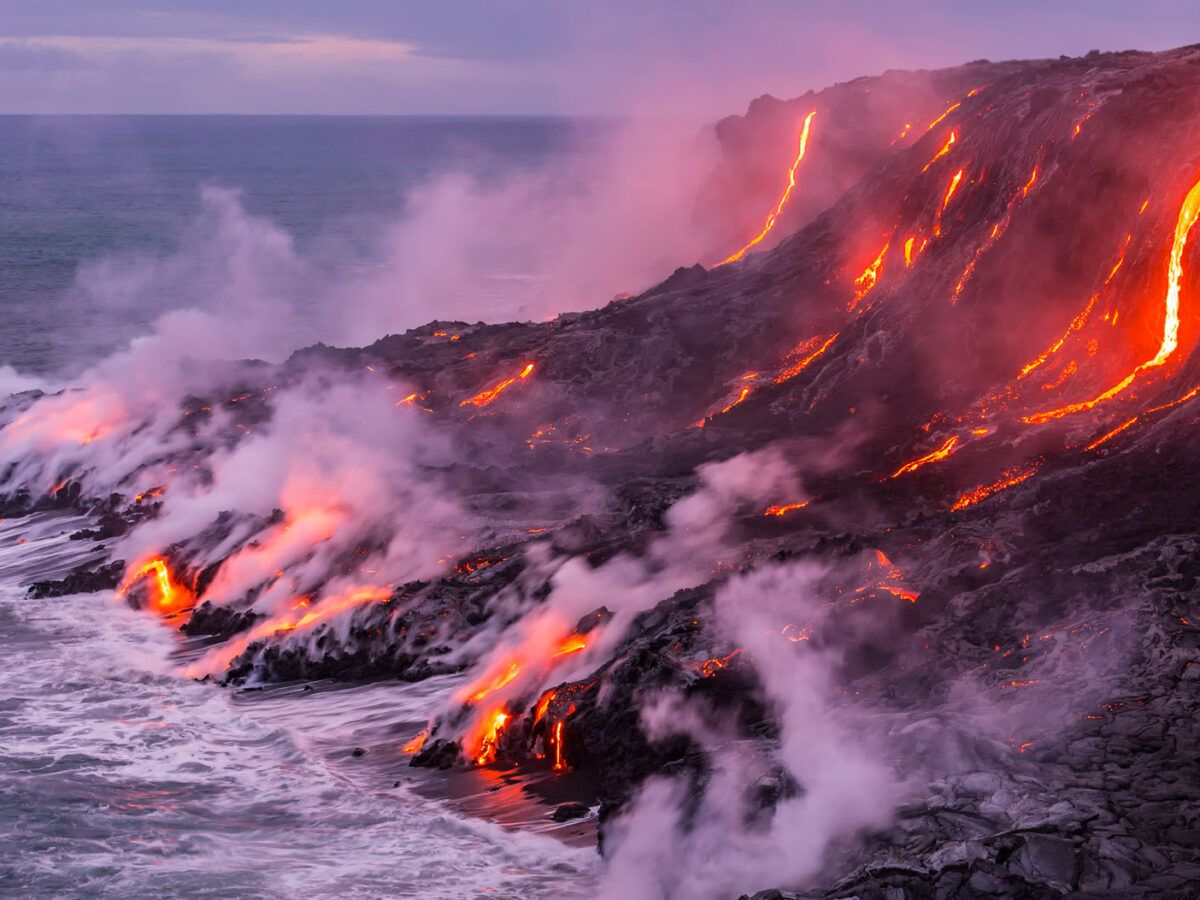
x=78 y=189
x=119 y=777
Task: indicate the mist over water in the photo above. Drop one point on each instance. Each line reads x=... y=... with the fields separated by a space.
x=118 y=775
x=119 y=778
x=110 y=195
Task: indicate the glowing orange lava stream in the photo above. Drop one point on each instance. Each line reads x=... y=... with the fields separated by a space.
x=784 y=508
x=942 y=152
x=954 y=182
x=170 y=596
x=773 y=216
x=1080 y=320
x=795 y=368
x=1188 y=214
x=483 y=398
x=1008 y=478
x=1104 y=438
x=866 y=281
x=934 y=456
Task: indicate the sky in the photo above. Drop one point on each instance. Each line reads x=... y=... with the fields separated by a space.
x=573 y=57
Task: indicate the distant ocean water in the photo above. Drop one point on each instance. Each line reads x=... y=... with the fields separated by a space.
x=77 y=189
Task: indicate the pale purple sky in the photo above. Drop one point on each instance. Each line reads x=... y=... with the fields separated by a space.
x=519 y=56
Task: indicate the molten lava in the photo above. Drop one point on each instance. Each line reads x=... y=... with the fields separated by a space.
x=1008 y=478
x=933 y=456
x=773 y=216
x=807 y=356
x=942 y=152
x=543 y=705
x=169 y=596
x=742 y=395
x=485 y=397
x=559 y=765
x=415 y=745
x=784 y=509
x=866 y=281
x=1189 y=212
x=710 y=667
x=572 y=643
x=500 y=681
x=954 y=182
x=490 y=742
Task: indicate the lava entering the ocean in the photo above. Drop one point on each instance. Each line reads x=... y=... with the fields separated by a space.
x=168 y=595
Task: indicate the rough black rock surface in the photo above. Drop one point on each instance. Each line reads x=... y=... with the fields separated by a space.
x=81 y=581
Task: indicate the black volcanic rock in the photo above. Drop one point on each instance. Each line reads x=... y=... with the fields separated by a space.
x=81 y=581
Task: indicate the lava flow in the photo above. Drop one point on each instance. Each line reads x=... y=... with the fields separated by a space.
x=485 y=397
x=1189 y=212
x=950 y=191
x=489 y=742
x=804 y=355
x=942 y=152
x=1008 y=478
x=773 y=216
x=865 y=282
x=933 y=456
x=168 y=595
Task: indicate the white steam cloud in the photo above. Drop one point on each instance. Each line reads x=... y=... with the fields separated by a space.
x=832 y=783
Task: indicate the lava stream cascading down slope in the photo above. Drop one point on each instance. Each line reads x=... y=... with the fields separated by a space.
x=773 y=216
x=1189 y=212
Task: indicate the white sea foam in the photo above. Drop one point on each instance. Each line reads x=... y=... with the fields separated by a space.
x=119 y=778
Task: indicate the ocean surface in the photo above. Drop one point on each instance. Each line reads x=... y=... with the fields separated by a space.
x=119 y=777
x=75 y=190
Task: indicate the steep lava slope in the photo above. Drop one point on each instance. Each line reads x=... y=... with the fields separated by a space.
x=972 y=358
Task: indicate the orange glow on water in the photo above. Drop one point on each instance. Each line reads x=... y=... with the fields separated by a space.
x=415 y=745
x=773 y=216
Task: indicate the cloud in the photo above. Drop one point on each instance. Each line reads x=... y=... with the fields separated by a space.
x=36 y=56
x=308 y=49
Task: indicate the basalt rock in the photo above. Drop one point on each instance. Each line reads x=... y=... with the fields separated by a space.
x=81 y=581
